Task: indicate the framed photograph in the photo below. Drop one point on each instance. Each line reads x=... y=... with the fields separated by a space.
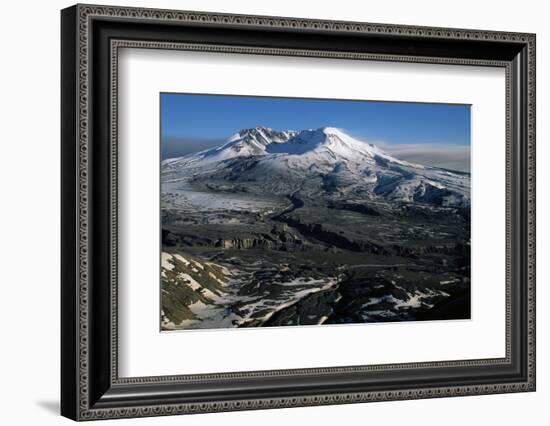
x=263 y=212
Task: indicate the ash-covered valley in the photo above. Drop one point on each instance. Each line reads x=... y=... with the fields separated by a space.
x=310 y=227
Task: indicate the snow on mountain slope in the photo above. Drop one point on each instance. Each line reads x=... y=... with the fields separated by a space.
x=246 y=143
x=314 y=162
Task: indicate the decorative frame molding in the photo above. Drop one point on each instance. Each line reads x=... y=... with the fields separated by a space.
x=91 y=388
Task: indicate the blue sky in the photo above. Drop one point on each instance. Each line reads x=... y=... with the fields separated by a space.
x=193 y=122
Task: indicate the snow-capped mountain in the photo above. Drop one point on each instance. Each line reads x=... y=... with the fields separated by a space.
x=245 y=143
x=322 y=162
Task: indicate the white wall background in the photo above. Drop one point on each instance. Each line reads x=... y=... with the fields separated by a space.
x=29 y=213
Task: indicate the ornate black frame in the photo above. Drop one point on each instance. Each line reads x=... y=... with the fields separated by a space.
x=91 y=37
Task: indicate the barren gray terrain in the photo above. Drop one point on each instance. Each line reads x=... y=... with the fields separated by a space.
x=312 y=227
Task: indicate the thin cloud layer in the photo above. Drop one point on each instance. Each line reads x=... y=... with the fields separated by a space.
x=178 y=147
x=447 y=156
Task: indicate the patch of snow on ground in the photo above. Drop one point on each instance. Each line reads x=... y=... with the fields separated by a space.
x=414 y=301
x=213 y=276
x=191 y=282
x=197 y=306
x=165 y=257
x=198 y=264
x=211 y=295
x=182 y=259
x=449 y=281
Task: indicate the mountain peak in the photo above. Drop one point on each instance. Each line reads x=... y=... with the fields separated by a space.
x=329 y=140
x=268 y=134
x=327 y=159
x=328 y=130
x=255 y=130
x=263 y=135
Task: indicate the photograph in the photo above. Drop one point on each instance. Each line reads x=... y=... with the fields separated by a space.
x=273 y=207
x=299 y=212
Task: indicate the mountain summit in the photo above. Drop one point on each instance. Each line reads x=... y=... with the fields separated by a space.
x=324 y=161
x=329 y=139
x=247 y=143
